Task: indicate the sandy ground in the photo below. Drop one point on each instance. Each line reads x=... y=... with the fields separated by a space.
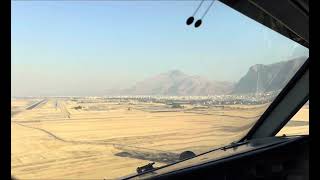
x=299 y=123
x=109 y=140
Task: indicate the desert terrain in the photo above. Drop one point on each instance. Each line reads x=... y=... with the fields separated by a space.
x=64 y=138
x=299 y=123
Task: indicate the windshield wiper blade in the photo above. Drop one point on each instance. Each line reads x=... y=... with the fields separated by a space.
x=233 y=145
x=149 y=167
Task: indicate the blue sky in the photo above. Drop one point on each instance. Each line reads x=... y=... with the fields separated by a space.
x=83 y=47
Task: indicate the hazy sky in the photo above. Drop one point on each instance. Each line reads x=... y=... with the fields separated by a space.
x=83 y=47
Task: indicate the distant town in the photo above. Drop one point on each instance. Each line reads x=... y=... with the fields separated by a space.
x=242 y=99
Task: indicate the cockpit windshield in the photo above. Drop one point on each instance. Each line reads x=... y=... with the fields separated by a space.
x=100 y=88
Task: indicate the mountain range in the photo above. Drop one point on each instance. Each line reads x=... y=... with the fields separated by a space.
x=176 y=82
x=264 y=78
x=259 y=78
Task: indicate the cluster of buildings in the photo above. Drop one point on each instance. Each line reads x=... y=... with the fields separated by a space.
x=246 y=99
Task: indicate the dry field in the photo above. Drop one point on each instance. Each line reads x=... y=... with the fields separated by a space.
x=299 y=123
x=55 y=140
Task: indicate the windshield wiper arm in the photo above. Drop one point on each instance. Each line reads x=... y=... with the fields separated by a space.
x=148 y=167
